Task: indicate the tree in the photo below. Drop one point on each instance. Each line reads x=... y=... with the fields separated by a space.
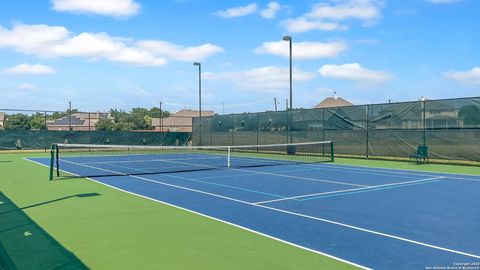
x=17 y=121
x=138 y=119
x=105 y=124
x=155 y=113
x=37 y=121
x=58 y=115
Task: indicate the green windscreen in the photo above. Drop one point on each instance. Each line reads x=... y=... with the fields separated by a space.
x=450 y=127
x=42 y=139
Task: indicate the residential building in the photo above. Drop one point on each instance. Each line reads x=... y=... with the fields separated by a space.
x=77 y=121
x=334 y=101
x=180 y=121
x=2 y=120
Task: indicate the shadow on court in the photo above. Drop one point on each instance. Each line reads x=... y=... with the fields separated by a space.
x=25 y=245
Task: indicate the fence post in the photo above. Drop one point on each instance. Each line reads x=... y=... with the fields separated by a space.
x=323 y=130
x=368 y=121
x=46 y=128
x=424 y=124
x=233 y=129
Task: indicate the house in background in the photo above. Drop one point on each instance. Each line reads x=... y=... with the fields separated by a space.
x=334 y=118
x=180 y=121
x=334 y=101
x=77 y=121
x=2 y=120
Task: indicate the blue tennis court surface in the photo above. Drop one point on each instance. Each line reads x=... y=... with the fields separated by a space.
x=370 y=217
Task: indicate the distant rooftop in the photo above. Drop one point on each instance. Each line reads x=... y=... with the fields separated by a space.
x=193 y=113
x=334 y=101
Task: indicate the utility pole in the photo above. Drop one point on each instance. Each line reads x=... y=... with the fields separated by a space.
x=223 y=108
x=69 y=115
x=161 y=118
x=286 y=104
x=275 y=101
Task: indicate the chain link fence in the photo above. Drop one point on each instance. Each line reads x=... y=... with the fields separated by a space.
x=450 y=127
x=34 y=129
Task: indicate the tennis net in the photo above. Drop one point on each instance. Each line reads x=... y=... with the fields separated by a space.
x=116 y=160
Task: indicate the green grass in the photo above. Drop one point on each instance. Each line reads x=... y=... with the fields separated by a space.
x=120 y=231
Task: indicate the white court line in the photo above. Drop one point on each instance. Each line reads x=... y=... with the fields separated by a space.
x=397 y=171
x=348 y=190
x=303 y=178
x=219 y=220
x=312 y=167
x=295 y=214
x=244 y=170
x=167 y=161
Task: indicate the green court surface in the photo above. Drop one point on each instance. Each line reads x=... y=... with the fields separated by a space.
x=88 y=225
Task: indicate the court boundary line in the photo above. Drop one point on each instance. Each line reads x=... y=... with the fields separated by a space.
x=218 y=220
x=314 y=218
x=312 y=167
x=300 y=177
x=310 y=217
x=232 y=168
x=400 y=184
x=396 y=171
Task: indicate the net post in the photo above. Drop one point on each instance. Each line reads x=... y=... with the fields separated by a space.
x=52 y=161
x=57 y=159
x=332 y=155
x=228 y=157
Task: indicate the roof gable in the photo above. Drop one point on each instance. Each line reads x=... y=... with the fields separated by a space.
x=333 y=102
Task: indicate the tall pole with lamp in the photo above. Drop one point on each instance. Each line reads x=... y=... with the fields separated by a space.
x=199 y=65
x=289 y=39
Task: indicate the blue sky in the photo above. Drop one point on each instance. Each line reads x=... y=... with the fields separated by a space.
x=103 y=54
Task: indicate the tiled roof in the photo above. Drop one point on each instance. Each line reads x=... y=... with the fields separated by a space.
x=79 y=119
x=173 y=121
x=333 y=102
x=193 y=113
x=65 y=121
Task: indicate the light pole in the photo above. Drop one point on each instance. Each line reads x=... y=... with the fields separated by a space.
x=199 y=100
x=289 y=39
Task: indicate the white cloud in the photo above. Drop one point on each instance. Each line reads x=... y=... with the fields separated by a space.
x=330 y=16
x=271 y=11
x=27 y=87
x=267 y=79
x=303 y=50
x=114 y=8
x=177 y=52
x=470 y=77
x=54 y=41
x=443 y=1
x=37 y=69
x=238 y=11
x=301 y=25
x=355 y=72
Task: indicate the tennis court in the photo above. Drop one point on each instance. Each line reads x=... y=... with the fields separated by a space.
x=369 y=217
